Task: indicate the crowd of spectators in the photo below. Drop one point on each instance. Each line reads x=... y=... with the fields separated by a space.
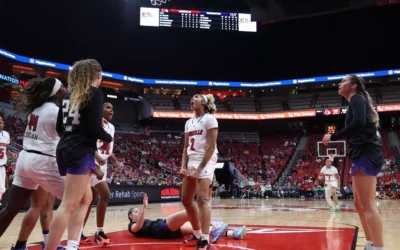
x=154 y=159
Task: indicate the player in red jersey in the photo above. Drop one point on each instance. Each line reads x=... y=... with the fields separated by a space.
x=4 y=153
x=100 y=187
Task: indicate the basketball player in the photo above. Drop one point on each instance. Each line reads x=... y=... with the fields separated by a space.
x=36 y=164
x=42 y=205
x=332 y=183
x=174 y=226
x=79 y=123
x=198 y=165
x=4 y=153
x=100 y=187
x=365 y=151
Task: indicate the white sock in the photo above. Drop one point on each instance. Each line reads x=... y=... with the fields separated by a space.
x=45 y=238
x=206 y=237
x=369 y=246
x=328 y=197
x=229 y=233
x=197 y=233
x=378 y=248
x=100 y=229
x=72 y=245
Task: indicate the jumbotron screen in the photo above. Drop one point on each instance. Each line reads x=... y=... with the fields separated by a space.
x=196 y=19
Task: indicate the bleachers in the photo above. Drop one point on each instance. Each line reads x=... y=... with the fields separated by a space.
x=308 y=165
x=241 y=104
x=270 y=104
x=275 y=146
x=160 y=102
x=390 y=94
x=330 y=99
x=302 y=101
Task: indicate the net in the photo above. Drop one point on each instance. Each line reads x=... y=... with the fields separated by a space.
x=331 y=157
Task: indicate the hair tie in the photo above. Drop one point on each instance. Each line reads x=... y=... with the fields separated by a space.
x=56 y=88
x=205 y=98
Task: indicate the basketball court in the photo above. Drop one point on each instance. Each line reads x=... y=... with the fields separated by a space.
x=272 y=224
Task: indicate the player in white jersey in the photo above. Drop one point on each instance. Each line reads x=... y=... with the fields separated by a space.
x=4 y=153
x=36 y=165
x=198 y=163
x=100 y=187
x=332 y=184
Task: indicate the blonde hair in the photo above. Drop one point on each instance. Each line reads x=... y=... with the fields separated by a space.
x=361 y=90
x=81 y=78
x=210 y=105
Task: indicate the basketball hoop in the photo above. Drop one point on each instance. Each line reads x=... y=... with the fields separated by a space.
x=158 y=2
x=331 y=156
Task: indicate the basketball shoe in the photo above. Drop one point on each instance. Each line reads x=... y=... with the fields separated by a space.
x=239 y=233
x=85 y=240
x=216 y=233
x=191 y=242
x=203 y=245
x=102 y=239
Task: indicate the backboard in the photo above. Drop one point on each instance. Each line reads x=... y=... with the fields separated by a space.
x=337 y=148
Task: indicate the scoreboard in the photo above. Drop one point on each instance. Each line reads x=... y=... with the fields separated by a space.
x=330 y=128
x=196 y=19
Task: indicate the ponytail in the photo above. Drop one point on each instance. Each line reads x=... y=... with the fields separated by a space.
x=210 y=106
x=375 y=116
x=35 y=94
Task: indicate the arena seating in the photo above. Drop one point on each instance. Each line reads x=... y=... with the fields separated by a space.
x=270 y=104
x=302 y=101
x=390 y=94
x=145 y=156
x=329 y=99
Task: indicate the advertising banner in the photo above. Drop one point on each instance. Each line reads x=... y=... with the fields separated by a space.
x=239 y=116
x=272 y=115
x=125 y=194
x=191 y=82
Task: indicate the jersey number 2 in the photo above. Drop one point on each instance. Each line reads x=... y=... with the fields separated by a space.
x=192 y=141
x=69 y=113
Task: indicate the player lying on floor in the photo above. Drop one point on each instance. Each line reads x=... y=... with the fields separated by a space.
x=174 y=226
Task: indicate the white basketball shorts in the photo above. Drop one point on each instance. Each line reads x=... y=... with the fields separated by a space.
x=330 y=184
x=94 y=181
x=3 y=174
x=34 y=170
x=208 y=170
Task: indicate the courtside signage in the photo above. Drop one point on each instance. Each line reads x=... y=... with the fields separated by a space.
x=55 y=65
x=9 y=79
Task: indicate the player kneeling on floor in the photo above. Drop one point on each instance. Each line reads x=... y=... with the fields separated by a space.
x=174 y=226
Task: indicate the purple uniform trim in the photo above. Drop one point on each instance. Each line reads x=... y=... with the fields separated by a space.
x=366 y=167
x=80 y=167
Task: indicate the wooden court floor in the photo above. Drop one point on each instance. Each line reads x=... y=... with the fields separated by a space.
x=272 y=224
